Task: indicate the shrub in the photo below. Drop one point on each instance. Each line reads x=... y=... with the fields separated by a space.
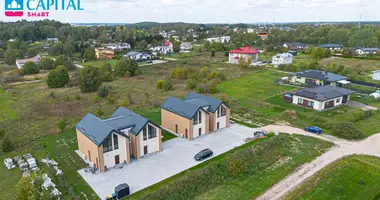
x=110 y=99
x=192 y=84
x=204 y=71
x=106 y=74
x=104 y=90
x=61 y=125
x=58 y=77
x=212 y=53
x=160 y=84
x=201 y=88
x=99 y=113
x=347 y=130
x=167 y=85
x=96 y=99
x=89 y=79
x=52 y=95
x=178 y=72
x=237 y=165
x=124 y=103
x=6 y=144
x=124 y=66
x=77 y=97
x=30 y=68
x=46 y=63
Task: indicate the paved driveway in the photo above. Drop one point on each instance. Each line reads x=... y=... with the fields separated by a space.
x=177 y=156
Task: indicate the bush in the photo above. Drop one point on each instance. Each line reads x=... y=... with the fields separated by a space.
x=104 y=90
x=61 y=125
x=99 y=113
x=110 y=99
x=160 y=84
x=192 y=84
x=212 y=53
x=30 y=68
x=96 y=99
x=347 y=130
x=46 y=63
x=167 y=85
x=77 y=97
x=124 y=103
x=6 y=144
x=178 y=72
x=58 y=77
x=237 y=165
x=124 y=66
x=89 y=79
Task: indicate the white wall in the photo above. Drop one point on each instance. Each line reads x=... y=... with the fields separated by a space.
x=153 y=143
x=109 y=157
x=318 y=105
x=231 y=58
x=222 y=120
x=200 y=125
x=376 y=76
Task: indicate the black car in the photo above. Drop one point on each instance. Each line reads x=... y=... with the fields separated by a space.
x=203 y=154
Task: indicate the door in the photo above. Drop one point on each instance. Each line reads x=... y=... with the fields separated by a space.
x=345 y=99
x=176 y=128
x=200 y=131
x=117 y=160
x=97 y=163
x=89 y=155
x=145 y=150
x=217 y=126
x=185 y=133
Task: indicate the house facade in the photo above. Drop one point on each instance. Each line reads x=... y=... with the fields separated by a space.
x=331 y=46
x=243 y=52
x=165 y=48
x=134 y=55
x=283 y=58
x=119 y=46
x=263 y=35
x=21 y=62
x=186 y=46
x=224 y=39
x=317 y=78
x=295 y=46
x=55 y=40
x=366 y=51
x=376 y=75
x=119 y=139
x=321 y=98
x=195 y=116
x=103 y=53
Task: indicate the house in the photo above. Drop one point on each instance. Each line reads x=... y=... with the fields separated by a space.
x=119 y=139
x=55 y=40
x=186 y=46
x=244 y=52
x=376 y=75
x=224 y=39
x=321 y=97
x=137 y=55
x=331 y=46
x=119 y=46
x=195 y=116
x=263 y=35
x=103 y=53
x=165 y=48
x=250 y=30
x=294 y=46
x=316 y=78
x=283 y=58
x=21 y=62
x=366 y=51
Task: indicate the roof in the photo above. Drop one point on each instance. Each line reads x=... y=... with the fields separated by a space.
x=245 y=50
x=323 y=93
x=97 y=129
x=34 y=59
x=284 y=55
x=330 y=45
x=321 y=75
x=376 y=71
x=186 y=44
x=203 y=101
x=369 y=49
x=180 y=107
x=132 y=53
x=295 y=43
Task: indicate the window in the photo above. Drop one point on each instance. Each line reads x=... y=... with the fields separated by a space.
x=144 y=134
x=200 y=116
x=300 y=101
x=338 y=100
x=222 y=111
x=152 y=131
x=197 y=118
x=115 y=142
x=107 y=146
x=310 y=103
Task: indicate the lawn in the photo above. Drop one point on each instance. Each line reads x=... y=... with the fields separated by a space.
x=99 y=63
x=264 y=162
x=6 y=112
x=353 y=177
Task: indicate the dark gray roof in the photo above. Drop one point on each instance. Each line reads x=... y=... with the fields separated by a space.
x=369 y=49
x=203 y=101
x=180 y=107
x=295 y=43
x=321 y=75
x=132 y=53
x=323 y=93
x=330 y=45
x=97 y=129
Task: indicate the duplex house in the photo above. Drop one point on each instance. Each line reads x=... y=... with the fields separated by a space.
x=119 y=139
x=21 y=62
x=316 y=78
x=331 y=46
x=195 y=116
x=283 y=58
x=244 y=52
x=165 y=48
x=321 y=97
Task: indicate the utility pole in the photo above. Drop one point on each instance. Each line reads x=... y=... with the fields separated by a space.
x=360 y=20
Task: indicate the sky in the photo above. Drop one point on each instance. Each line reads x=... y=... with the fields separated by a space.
x=216 y=11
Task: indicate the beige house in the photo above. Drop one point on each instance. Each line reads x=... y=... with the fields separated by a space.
x=195 y=116
x=119 y=139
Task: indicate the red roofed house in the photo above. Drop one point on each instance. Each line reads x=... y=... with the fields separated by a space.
x=244 y=52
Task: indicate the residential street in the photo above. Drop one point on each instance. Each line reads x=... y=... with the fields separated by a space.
x=369 y=146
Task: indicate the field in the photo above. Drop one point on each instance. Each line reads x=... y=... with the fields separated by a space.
x=353 y=177
x=6 y=112
x=264 y=162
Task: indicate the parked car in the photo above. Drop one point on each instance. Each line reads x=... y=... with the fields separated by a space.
x=203 y=154
x=259 y=134
x=313 y=129
x=149 y=61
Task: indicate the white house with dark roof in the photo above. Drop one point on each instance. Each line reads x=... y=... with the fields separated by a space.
x=21 y=62
x=317 y=78
x=282 y=59
x=332 y=46
x=366 y=51
x=186 y=46
x=118 y=139
x=320 y=98
x=118 y=46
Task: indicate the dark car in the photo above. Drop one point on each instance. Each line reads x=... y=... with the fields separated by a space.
x=149 y=61
x=259 y=134
x=313 y=129
x=203 y=154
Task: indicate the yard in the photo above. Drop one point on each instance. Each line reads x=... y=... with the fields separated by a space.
x=242 y=173
x=353 y=177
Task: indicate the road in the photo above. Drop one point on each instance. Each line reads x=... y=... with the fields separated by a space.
x=342 y=148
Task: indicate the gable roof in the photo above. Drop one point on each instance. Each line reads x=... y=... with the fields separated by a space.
x=180 y=107
x=34 y=59
x=330 y=45
x=245 y=50
x=369 y=49
x=204 y=101
x=186 y=44
x=321 y=75
x=295 y=43
x=123 y=118
x=284 y=55
x=132 y=53
x=323 y=93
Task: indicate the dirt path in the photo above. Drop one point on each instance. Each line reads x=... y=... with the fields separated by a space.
x=369 y=146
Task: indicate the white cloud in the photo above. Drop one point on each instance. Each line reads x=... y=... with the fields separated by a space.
x=219 y=11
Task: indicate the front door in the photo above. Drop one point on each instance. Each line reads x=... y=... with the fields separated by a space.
x=345 y=98
x=185 y=133
x=217 y=126
x=200 y=131
x=117 y=160
x=176 y=128
x=89 y=156
x=145 y=150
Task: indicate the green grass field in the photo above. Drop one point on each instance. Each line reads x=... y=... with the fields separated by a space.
x=268 y=161
x=6 y=112
x=353 y=177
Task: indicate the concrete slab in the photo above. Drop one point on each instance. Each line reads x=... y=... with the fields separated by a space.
x=177 y=156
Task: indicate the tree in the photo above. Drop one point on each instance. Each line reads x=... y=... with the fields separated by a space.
x=104 y=90
x=206 y=45
x=89 y=54
x=177 y=46
x=46 y=63
x=29 y=188
x=32 y=52
x=31 y=68
x=142 y=45
x=106 y=74
x=58 y=77
x=244 y=63
x=6 y=144
x=89 y=79
x=11 y=55
x=212 y=53
x=125 y=65
x=66 y=61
